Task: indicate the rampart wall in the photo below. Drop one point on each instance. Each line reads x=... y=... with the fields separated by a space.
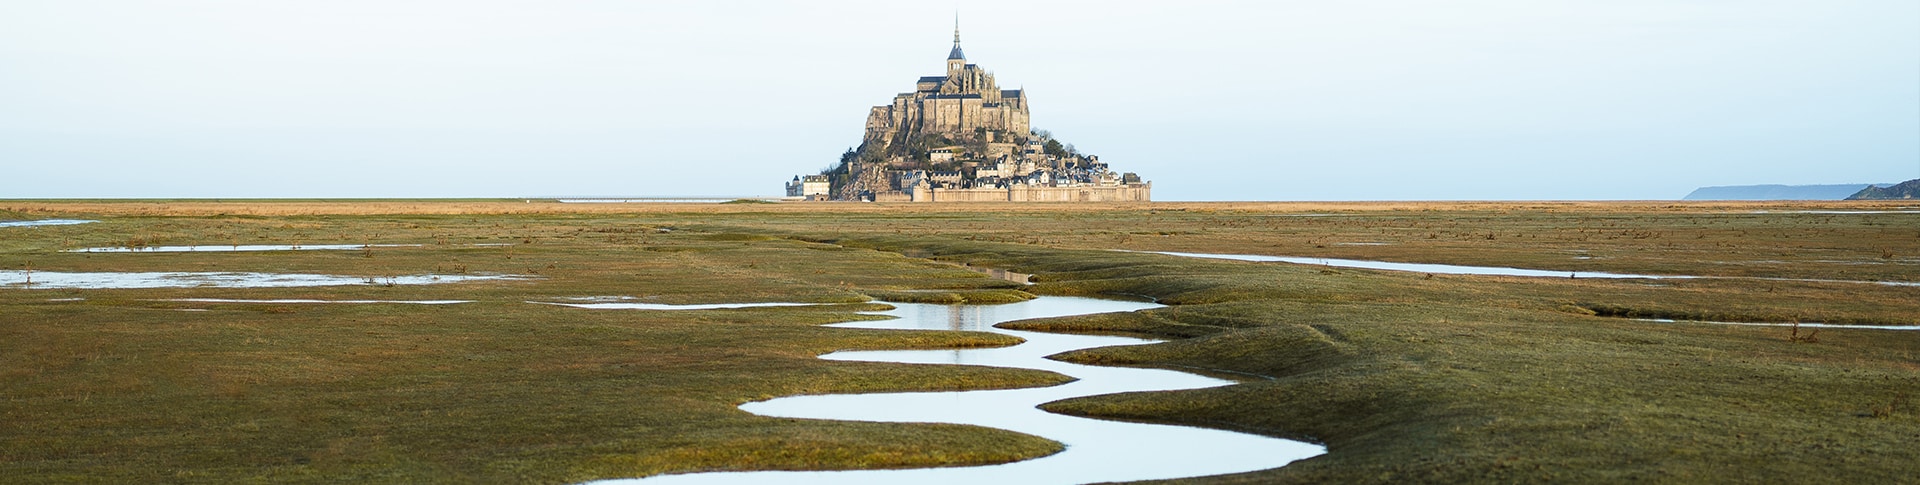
x=1123 y=193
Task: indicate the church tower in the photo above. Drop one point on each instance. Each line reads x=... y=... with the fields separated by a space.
x=955 y=59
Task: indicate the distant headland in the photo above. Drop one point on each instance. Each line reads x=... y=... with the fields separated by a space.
x=1779 y=192
x=959 y=137
x=1904 y=190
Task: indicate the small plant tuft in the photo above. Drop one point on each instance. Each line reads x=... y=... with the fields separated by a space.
x=1886 y=411
x=1794 y=336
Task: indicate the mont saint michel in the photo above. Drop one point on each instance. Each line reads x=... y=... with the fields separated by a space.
x=960 y=137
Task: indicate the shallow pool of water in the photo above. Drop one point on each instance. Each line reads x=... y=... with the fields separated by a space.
x=1001 y=274
x=1097 y=450
x=1842 y=212
x=1419 y=267
x=297 y=300
x=44 y=222
x=228 y=248
x=1492 y=270
x=39 y=280
x=663 y=306
x=1803 y=325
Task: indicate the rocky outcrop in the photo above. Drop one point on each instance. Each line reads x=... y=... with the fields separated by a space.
x=1904 y=190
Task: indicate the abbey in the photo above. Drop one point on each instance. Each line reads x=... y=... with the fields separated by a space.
x=964 y=100
x=959 y=137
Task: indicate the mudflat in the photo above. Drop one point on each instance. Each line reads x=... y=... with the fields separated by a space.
x=1402 y=375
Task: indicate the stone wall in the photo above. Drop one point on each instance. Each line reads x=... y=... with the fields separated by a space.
x=1129 y=193
x=1022 y=193
x=969 y=195
x=892 y=197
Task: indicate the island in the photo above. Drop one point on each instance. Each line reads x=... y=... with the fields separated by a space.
x=960 y=138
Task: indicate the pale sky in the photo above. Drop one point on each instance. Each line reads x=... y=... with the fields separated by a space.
x=1210 y=100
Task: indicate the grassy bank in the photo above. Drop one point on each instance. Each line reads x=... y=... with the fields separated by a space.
x=1403 y=376
x=124 y=386
x=1500 y=379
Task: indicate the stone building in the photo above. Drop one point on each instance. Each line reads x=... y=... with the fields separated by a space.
x=959 y=137
x=810 y=187
x=964 y=100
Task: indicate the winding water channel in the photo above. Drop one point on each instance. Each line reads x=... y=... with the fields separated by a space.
x=1500 y=271
x=1097 y=450
x=241 y=248
x=44 y=280
x=1488 y=270
x=45 y=222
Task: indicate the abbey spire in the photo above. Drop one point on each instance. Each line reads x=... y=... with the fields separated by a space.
x=955 y=58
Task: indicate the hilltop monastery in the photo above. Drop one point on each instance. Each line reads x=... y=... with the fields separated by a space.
x=959 y=137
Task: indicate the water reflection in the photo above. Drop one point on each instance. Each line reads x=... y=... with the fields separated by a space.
x=995 y=273
x=39 y=280
x=225 y=248
x=1418 y=267
x=663 y=306
x=1490 y=270
x=44 y=222
x=229 y=248
x=1096 y=450
x=1842 y=212
x=1769 y=324
x=298 y=300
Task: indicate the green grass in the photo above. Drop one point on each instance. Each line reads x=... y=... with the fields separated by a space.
x=119 y=387
x=1405 y=377
x=1494 y=379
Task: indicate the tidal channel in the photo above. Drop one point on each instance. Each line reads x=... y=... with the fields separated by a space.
x=1430 y=268
x=1096 y=450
